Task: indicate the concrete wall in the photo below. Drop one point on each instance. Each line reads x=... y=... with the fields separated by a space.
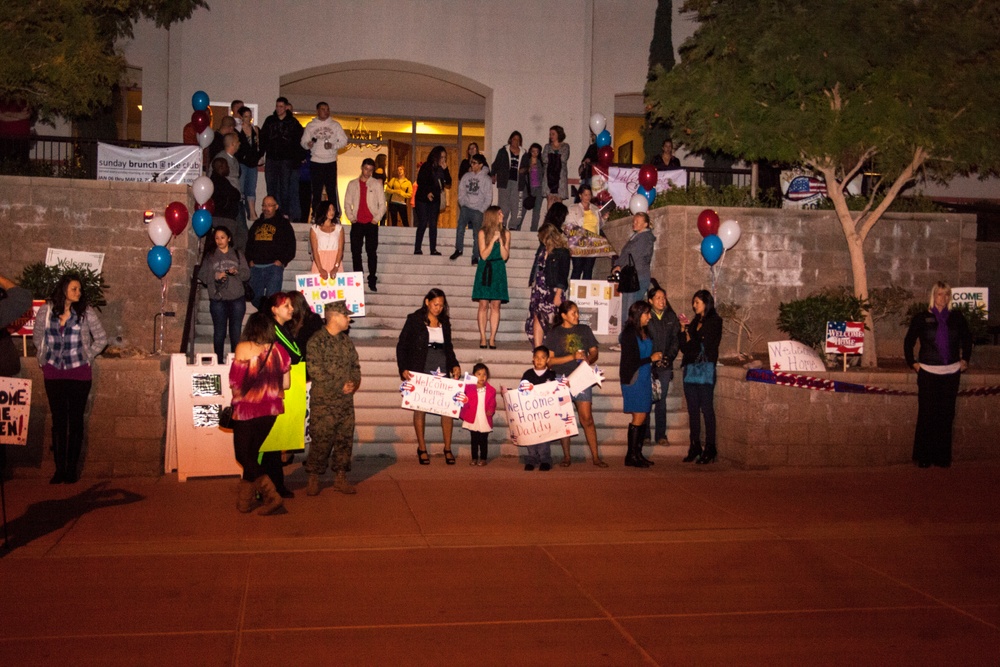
x=102 y=216
x=988 y=275
x=784 y=255
x=762 y=425
x=126 y=421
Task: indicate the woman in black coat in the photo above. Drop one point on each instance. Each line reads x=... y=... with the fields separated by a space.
x=424 y=346
x=432 y=179
x=945 y=348
x=700 y=344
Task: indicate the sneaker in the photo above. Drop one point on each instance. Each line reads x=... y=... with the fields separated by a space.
x=436 y=253
x=455 y=255
x=418 y=252
x=528 y=467
x=482 y=462
x=474 y=462
x=545 y=467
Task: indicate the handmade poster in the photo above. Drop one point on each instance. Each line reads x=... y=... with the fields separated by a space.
x=539 y=413
x=791 y=355
x=289 y=430
x=90 y=260
x=349 y=287
x=584 y=376
x=977 y=297
x=623 y=182
x=437 y=394
x=169 y=164
x=600 y=305
x=845 y=337
x=15 y=407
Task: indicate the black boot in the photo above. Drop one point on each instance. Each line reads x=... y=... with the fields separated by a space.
x=640 y=441
x=59 y=458
x=631 y=459
x=709 y=455
x=694 y=451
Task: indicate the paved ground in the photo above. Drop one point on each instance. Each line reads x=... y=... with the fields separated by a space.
x=440 y=565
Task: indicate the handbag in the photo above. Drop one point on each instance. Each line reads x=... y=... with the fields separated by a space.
x=701 y=371
x=528 y=202
x=657 y=389
x=628 y=279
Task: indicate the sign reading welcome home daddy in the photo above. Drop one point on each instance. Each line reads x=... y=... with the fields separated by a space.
x=170 y=164
x=974 y=296
x=15 y=407
x=845 y=337
x=349 y=287
x=538 y=413
x=436 y=394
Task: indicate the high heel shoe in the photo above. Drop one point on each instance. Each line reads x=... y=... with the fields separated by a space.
x=705 y=458
x=423 y=457
x=449 y=458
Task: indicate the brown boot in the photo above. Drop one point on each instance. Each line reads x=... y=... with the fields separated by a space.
x=341 y=484
x=246 y=496
x=312 y=486
x=272 y=499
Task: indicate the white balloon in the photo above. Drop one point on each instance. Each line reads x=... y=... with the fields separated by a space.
x=205 y=137
x=638 y=204
x=159 y=231
x=202 y=189
x=597 y=123
x=729 y=232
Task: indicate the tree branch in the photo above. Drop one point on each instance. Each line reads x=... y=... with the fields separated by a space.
x=907 y=175
x=859 y=165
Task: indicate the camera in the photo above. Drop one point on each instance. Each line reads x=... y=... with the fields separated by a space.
x=614 y=276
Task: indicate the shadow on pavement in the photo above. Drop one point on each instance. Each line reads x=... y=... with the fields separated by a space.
x=48 y=516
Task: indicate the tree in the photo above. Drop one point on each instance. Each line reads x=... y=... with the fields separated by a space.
x=58 y=57
x=661 y=56
x=904 y=86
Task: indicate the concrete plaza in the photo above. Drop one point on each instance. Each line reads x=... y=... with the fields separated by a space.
x=454 y=565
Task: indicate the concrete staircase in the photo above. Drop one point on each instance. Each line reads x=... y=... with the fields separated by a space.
x=383 y=428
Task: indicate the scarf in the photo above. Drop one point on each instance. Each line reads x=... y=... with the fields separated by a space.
x=941 y=336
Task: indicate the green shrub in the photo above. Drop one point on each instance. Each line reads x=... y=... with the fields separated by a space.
x=805 y=319
x=40 y=280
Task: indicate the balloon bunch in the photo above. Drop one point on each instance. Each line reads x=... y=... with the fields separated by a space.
x=718 y=237
x=646 y=192
x=605 y=151
x=201 y=119
x=161 y=229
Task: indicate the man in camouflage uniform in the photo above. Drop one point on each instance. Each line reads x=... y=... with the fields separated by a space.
x=336 y=376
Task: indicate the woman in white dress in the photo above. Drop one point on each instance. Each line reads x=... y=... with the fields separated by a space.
x=326 y=239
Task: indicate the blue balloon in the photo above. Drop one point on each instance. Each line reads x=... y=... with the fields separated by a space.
x=711 y=249
x=649 y=194
x=201 y=222
x=158 y=260
x=199 y=100
x=603 y=139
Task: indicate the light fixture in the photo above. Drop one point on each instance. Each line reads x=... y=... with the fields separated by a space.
x=364 y=138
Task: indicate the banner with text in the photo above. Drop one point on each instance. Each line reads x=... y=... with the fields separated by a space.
x=791 y=355
x=845 y=338
x=170 y=164
x=15 y=407
x=977 y=297
x=349 y=287
x=436 y=394
x=624 y=181
x=538 y=413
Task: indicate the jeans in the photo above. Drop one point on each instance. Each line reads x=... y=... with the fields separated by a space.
x=468 y=216
x=282 y=178
x=427 y=213
x=227 y=317
x=538 y=454
x=701 y=401
x=583 y=268
x=324 y=174
x=365 y=235
x=248 y=186
x=67 y=403
x=248 y=436
x=265 y=280
x=510 y=204
x=629 y=298
x=399 y=211
x=536 y=212
x=659 y=409
x=480 y=445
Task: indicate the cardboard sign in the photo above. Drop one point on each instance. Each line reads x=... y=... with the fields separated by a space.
x=436 y=394
x=538 y=413
x=974 y=296
x=91 y=260
x=349 y=287
x=15 y=407
x=791 y=355
x=25 y=325
x=600 y=305
x=583 y=377
x=845 y=337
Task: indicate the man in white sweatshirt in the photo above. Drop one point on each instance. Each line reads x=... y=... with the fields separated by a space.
x=323 y=137
x=475 y=194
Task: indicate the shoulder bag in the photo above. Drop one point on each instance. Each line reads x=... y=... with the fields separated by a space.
x=701 y=371
x=628 y=279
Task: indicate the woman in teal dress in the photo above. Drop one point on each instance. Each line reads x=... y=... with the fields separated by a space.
x=634 y=370
x=490 y=288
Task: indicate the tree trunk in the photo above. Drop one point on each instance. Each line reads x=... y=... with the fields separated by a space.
x=859 y=271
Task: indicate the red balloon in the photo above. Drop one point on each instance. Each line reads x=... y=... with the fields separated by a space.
x=708 y=222
x=605 y=155
x=177 y=217
x=648 y=176
x=200 y=120
x=208 y=206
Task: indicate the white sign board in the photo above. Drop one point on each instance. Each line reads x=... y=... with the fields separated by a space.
x=436 y=394
x=15 y=408
x=349 y=287
x=600 y=305
x=624 y=181
x=171 y=164
x=974 y=296
x=91 y=260
x=538 y=413
x=791 y=355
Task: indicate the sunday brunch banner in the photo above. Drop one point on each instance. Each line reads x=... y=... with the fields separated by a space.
x=436 y=394
x=349 y=287
x=538 y=413
x=172 y=164
x=15 y=407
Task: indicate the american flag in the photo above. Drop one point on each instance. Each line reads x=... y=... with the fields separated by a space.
x=805 y=187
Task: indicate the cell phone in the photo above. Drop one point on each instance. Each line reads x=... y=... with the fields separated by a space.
x=683 y=318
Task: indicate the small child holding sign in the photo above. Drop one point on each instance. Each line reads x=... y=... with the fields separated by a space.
x=477 y=413
x=539 y=455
